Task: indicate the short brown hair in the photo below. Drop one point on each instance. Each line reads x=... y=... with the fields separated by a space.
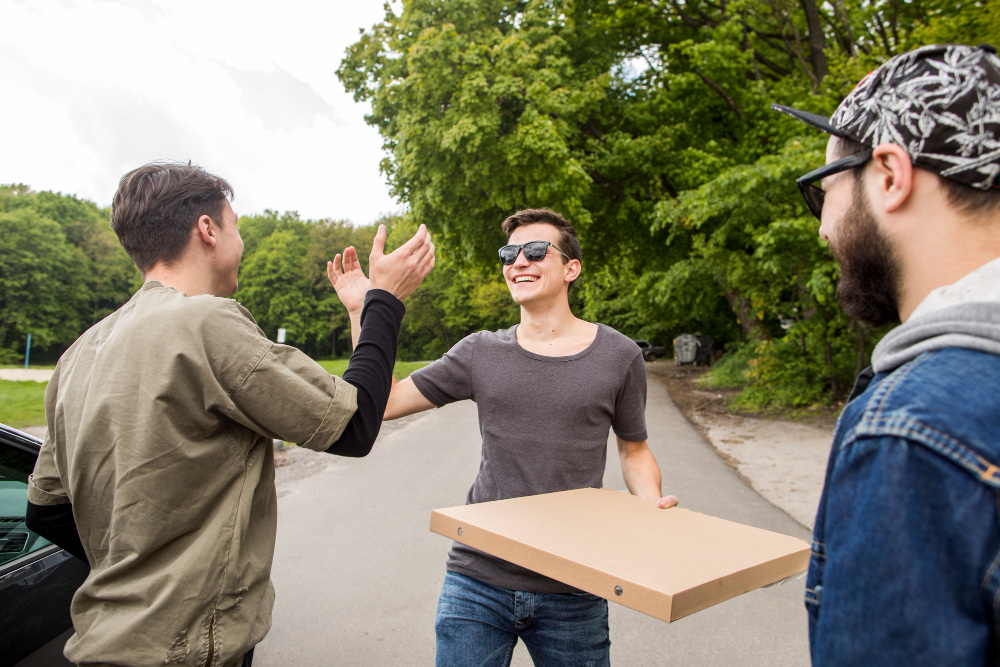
x=965 y=198
x=157 y=204
x=569 y=243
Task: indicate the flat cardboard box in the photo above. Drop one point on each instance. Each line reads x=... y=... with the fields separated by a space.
x=665 y=563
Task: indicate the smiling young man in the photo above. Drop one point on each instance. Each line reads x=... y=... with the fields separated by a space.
x=905 y=567
x=158 y=466
x=548 y=391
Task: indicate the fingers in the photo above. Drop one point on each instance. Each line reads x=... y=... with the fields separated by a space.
x=421 y=253
x=378 y=245
x=333 y=269
x=418 y=239
x=428 y=264
x=351 y=255
x=669 y=501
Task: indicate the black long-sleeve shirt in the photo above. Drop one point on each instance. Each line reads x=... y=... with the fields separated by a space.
x=370 y=371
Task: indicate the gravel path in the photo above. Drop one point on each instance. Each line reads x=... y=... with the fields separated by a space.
x=21 y=374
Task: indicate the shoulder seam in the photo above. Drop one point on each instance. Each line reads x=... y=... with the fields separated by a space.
x=933 y=439
x=249 y=373
x=883 y=392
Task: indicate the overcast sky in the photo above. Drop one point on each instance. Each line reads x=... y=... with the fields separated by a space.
x=94 y=88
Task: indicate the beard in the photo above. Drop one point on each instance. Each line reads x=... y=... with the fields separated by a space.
x=869 y=271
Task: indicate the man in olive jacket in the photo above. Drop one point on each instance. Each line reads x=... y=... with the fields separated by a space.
x=157 y=466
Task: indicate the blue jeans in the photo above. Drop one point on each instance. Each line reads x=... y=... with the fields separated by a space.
x=479 y=624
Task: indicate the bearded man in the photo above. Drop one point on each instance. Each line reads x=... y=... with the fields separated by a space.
x=905 y=568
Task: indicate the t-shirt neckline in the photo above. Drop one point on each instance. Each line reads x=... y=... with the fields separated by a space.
x=541 y=357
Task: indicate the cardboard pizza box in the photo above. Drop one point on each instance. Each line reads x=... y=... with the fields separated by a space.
x=667 y=563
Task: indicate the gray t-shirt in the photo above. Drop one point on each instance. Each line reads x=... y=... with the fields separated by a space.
x=544 y=423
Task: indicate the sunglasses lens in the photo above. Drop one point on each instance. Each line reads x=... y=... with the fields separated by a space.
x=535 y=250
x=508 y=254
x=814 y=198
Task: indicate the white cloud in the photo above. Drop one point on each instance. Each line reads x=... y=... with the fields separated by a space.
x=248 y=90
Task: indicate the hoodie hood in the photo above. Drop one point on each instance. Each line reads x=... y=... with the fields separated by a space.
x=965 y=314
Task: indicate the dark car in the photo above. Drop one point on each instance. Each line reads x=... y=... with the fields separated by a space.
x=37 y=578
x=651 y=352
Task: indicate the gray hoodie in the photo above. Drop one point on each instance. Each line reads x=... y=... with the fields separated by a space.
x=965 y=314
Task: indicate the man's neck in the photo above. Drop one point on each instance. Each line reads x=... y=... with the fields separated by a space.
x=554 y=331
x=546 y=322
x=940 y=264
x=183 y=279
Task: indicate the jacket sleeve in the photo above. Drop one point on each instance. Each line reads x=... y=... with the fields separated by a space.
x=911 y=551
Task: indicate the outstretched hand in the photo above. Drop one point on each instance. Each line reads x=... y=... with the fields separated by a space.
x=349 y=281
x=401 y=271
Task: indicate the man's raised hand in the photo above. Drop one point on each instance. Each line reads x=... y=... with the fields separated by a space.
x=401 y=271
x=350 y=282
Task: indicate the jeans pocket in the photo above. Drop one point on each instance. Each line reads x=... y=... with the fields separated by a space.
x=585 y=596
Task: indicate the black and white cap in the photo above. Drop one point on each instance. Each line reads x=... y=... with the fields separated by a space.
x=941 y=103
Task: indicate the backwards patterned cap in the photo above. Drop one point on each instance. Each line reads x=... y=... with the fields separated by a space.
x=940 y=103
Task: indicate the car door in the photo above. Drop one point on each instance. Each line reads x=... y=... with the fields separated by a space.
x=37 y=578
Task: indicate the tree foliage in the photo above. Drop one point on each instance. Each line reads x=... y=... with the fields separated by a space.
x=61 y=269
x=646 y=123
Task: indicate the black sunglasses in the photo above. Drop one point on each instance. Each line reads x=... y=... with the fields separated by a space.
x=813 y=194
x=534 y=251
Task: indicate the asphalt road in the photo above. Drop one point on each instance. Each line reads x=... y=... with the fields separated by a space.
x=357 y=571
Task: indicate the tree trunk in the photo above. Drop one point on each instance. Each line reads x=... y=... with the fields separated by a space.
x=752 y=326
x=834 y=385
x=817 y=43
x=851 y=44
x=4 y=326
x=443 y=330
x=333 y=346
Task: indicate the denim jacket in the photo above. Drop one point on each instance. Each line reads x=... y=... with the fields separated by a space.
x=905 y=566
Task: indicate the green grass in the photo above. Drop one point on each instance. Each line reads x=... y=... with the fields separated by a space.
x=32 y=367
x=402 y=369
x=22 y=403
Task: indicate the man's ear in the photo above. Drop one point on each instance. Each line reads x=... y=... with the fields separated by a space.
x=207 y=231
x=573 y=269
x=893 y=171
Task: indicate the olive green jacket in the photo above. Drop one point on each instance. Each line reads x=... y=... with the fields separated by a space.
x=160 y=423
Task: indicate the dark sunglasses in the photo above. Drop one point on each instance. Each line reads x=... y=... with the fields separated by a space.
x=534 y=251
x=813 y=194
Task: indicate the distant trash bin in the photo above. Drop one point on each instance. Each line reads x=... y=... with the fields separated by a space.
x=685 y=349
x=706 y=348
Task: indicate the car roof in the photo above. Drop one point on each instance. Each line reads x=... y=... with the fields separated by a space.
x=19 y=439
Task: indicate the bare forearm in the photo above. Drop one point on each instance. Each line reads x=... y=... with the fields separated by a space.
x=642 y=474
x=404 y=400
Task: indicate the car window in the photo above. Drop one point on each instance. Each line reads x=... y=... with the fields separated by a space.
x=15 y=538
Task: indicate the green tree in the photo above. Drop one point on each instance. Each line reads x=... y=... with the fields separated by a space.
x=274 y=287
x=647 y=123
x=77 y=267
x=33 y=252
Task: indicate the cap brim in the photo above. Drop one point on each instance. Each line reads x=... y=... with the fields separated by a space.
x=814 y=119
